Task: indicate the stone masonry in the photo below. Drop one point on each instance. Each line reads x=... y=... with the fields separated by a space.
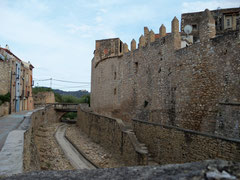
x=164 y=83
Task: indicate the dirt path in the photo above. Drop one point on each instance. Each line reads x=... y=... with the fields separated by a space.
x=92 y=150
x=75 y=158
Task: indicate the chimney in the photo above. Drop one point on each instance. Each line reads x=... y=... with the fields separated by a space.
x=7 y=47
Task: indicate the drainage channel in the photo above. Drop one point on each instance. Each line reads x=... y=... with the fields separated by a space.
x=76 y=159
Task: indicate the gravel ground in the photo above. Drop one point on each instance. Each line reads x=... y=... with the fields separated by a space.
x=96 y=153
x=51 y=155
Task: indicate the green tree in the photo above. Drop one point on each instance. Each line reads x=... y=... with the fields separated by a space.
x=5 y=98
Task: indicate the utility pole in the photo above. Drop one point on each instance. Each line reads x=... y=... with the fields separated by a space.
x=51 y=83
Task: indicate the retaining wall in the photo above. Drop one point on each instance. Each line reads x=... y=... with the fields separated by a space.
x=113 y=135
x=169 y=144
x=41 y=116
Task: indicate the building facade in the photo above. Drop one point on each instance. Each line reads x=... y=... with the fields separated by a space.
x=163 y=82
x=225 y=20
x=16 y=79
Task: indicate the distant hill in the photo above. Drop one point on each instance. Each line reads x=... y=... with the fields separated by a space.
x=77 y=94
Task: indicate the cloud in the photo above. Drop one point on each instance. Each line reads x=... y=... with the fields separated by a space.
x=91 y=32
x=211 y=5
x=58 y=37
x=53 y=53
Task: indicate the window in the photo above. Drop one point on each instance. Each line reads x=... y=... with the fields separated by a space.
x=194 y=26
x=145 y=103
x=115 y=91
x=228 y=22
x=121 y=46
x=136 y=67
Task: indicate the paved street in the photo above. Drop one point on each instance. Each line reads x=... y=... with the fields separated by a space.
x=10 y=123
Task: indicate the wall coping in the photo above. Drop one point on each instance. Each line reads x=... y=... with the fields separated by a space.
x=189 y=131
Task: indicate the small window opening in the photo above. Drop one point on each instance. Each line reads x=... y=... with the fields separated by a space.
x=136 y=67
x=194 y=26
x=228 y=23
x=225 y=52
x=195 y=39
x=163 y=40
x=159 y=70
x=115 y=91
x=121 y=46
x=145 y=103
x=115 y=75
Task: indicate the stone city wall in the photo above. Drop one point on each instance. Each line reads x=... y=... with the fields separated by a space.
x=113 y=135
x=228 y=120
x=161 y=82
x=168 y=144
x=41 y=116
x=42 y=98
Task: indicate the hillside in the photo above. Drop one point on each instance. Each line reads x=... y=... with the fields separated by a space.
x=77 y=94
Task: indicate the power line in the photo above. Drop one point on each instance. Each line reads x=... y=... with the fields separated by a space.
x=73 y=87
x=41 y=79
x=51 y=79
x=71 y=81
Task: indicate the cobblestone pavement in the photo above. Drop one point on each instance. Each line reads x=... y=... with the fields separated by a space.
x=9 y=123
x=95 y=153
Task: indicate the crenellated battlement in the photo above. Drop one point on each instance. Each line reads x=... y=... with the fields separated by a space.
x=170 y=77
x=109 y=48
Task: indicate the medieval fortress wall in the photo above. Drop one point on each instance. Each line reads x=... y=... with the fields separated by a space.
x=163 y=83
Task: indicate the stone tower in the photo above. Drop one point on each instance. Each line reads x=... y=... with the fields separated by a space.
x=207 y=28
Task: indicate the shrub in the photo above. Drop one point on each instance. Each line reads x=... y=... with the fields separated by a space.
x=5 y=98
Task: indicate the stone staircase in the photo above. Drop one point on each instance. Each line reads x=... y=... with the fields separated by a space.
x=142 y=148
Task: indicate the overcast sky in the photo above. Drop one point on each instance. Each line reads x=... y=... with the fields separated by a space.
x=58 y=36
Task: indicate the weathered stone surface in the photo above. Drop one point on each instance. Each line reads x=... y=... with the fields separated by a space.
x=42 y=98
x=97 y=154
x=40 y=118
x=142 y=41
x=169 y=144
x=151 y=36
x=220 y=17
x=133 y=45
x=175 y=25
x=4 y=109
x=125 y=48
x=170 y=85
x=211 y=169
x=113 y=135
x=162 y=31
